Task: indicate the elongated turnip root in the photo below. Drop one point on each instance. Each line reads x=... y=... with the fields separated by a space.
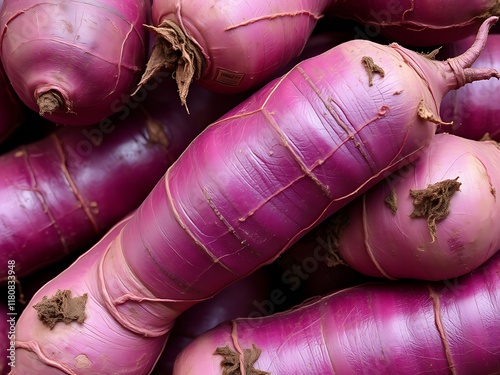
x=229 y=46
x=403 y=328
x=246 y=189
x=435 y=216
x=474 y=109
x=75 y=62
x=416 y=22
x=62 y=193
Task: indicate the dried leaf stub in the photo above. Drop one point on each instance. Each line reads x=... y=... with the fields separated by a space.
x=231 y=361
x=175 y=52
x=433 y=202
x=61 y=307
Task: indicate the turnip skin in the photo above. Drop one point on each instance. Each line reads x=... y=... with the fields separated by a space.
x=84 y=56
x=377 y=242
x=418 y=23
x=233 y=46
x=60 y=194
x=102 y=350
x=394 y=328
x=247 y=188
x=473 y=109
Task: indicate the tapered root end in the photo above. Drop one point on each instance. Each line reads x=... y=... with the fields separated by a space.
x=173 y=51
x=478 y=74
x=49 y=102
x=461 y=64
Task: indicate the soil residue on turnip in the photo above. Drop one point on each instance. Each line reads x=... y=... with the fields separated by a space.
x=61 y=307
x=231 y=361
x=433 y=202
x=371 y=69
x=391 y=201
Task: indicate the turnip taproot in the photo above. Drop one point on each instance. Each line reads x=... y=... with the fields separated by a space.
x=229 y=46
x=437 y=216
x=473 y=109
x=416 y=22
x=392 y=328
x=247 y=188
x=62 y=193
x=75 y=62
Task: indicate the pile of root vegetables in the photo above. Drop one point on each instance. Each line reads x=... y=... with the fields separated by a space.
x=283 y=187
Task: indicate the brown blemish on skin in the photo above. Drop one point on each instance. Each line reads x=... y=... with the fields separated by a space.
x=68 y=27
x=371 y=68
x=231 y=361
x=61 y=307
x=82 y=361
x=391 y=201
x=426 y=114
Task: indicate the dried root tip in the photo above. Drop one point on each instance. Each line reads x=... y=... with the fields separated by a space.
x=231 y=361
x=174 y=52
x=461 y=64
x=433 y=202
x=49 y=102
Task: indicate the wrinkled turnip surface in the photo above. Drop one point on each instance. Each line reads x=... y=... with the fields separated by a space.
x=246 y=189
x=61 y=194
x=229 y=45
x=440 y=328
x=75 y=62
x=437 y=216
x=416 y=22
